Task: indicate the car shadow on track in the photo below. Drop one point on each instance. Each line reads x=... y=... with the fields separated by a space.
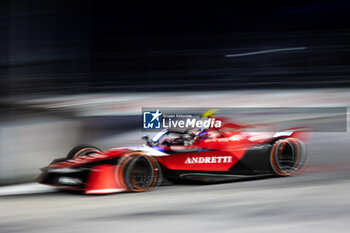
x=60 y=192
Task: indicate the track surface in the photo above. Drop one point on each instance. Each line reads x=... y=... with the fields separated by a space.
x=318 y=200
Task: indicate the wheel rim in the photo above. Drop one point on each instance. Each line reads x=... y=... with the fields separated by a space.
x=137 y=173
x=288 y=157
x=142 y=173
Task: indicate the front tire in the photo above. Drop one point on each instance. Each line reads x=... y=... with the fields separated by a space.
x=82 y=150
x=139 y=172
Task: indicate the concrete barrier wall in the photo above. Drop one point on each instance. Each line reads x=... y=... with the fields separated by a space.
x=31 y=143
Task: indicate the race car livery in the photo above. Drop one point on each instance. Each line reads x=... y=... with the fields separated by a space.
x=181 y=155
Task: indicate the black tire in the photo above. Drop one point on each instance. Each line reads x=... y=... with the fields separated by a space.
x=140 y=173
x=82 y=150
x=288 y=157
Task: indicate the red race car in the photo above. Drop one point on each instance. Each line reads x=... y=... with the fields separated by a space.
x=201 y=155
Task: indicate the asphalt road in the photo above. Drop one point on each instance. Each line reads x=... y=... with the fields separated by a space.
x=318 y=200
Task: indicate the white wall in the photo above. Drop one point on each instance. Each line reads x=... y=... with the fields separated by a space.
x=29 y=144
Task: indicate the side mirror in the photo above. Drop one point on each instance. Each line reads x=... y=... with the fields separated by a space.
x=146 y=138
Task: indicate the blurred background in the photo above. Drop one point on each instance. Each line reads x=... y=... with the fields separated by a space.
x=91 y=46
x=80 y=71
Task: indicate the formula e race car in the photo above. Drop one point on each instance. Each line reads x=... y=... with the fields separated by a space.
x=186 y=155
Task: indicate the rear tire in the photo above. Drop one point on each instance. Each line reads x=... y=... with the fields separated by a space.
x=82 y=150
x=288 y=157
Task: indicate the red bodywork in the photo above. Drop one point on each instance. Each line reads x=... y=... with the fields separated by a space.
x=219 y=151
